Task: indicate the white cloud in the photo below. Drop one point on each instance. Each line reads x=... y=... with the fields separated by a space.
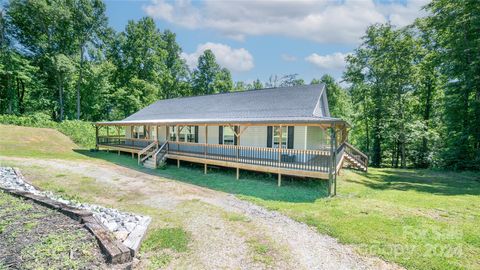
x=319 y=20
x=330 y=62
x=288 y=57
x=234 y=59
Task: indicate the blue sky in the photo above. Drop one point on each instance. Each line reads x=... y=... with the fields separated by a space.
x=256 y=39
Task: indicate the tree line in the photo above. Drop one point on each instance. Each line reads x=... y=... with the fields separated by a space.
x=411 y=94
x=63 y=59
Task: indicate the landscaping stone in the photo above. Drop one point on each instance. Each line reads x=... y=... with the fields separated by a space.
x=121 y=224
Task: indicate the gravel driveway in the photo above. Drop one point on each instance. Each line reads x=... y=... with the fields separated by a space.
x=219 y=242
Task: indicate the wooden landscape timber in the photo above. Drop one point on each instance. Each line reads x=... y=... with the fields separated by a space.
x=115 y=251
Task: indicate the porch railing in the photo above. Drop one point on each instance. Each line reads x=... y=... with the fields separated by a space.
x=296 y=159
x=123 y=142
x=299 y=159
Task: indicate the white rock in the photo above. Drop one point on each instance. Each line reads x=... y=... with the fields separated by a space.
x=118 y=222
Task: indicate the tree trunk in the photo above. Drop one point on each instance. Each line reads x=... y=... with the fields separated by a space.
x=367 y=129
x=423 y=162
x=21 y=96
x=60 y=94
x=9 y=95
x=80 y=78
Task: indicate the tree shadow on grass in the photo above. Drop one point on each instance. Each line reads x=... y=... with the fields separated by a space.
x=422 y=180
x=252 y=184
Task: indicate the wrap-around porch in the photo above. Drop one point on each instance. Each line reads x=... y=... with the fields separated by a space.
x=151 y=149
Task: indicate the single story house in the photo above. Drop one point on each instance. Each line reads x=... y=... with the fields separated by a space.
x=286 y=130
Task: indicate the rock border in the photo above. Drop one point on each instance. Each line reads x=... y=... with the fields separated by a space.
x=115 y=251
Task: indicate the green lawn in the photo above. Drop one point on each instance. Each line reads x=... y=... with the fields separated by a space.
x=421 y=219
x=33 y=142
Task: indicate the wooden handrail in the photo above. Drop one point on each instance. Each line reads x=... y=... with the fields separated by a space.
x=159 y=150
x=271 y=149
x=356 y=150
x=144 y=150
x=124 y=138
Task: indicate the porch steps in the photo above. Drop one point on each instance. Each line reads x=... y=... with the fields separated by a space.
x=354 y=163
x=149 y=163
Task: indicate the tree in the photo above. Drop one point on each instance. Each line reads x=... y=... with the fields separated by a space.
x=175 y=80
x=209 y=77
x=257 y=84
x=223 y=81
x=382 y=69
x=339 y=101
x=45 y=30
x=89 y=23
x=454 y=26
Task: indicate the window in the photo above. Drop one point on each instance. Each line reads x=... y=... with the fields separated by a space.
x=153 y=135
x=228 y=136
x=173 y=133
x=187 y=134
x=276 y=137
x=139 y=132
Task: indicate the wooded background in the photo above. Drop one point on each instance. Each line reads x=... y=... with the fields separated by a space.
x=412 y=94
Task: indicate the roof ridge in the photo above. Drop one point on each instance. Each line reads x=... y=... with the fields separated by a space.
x=245 y=91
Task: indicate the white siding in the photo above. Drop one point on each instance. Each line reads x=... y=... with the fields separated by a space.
x=304 y=137
x=162 y=135
x=128 y=132
x=299 y=138
x=316 y=138
x=254 y=136
x=212 y=134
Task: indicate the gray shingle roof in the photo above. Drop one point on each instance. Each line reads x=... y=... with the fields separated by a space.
x=306 y=103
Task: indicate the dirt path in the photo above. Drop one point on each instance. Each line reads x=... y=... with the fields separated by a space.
x=227 y=233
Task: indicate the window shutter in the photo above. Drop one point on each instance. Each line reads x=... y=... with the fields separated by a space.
x=290 y=137
x=269 y=136
x=220 y=134
x=196 y=134
x=235 y=142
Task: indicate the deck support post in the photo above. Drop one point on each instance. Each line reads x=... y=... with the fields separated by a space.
x=279 y=180
x=332 y=175
x=238 y=173
x=334 y=157
x=205 y=148
x=177 y=132
x=205 y=168
x=119 y=152
x=133 y=155
x=96 y=137
x=280 y=145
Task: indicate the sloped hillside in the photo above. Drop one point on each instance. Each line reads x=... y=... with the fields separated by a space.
x=22 y=141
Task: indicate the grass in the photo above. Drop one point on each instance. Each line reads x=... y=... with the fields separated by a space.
x=80 y=132
x=257 y=185
x=55 y=250
x=260 y=251
x=420 y=219
x=36 y=143
x=175 y=239
x=32 y=241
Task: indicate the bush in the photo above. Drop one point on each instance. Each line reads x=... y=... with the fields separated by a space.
x=80 y=132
